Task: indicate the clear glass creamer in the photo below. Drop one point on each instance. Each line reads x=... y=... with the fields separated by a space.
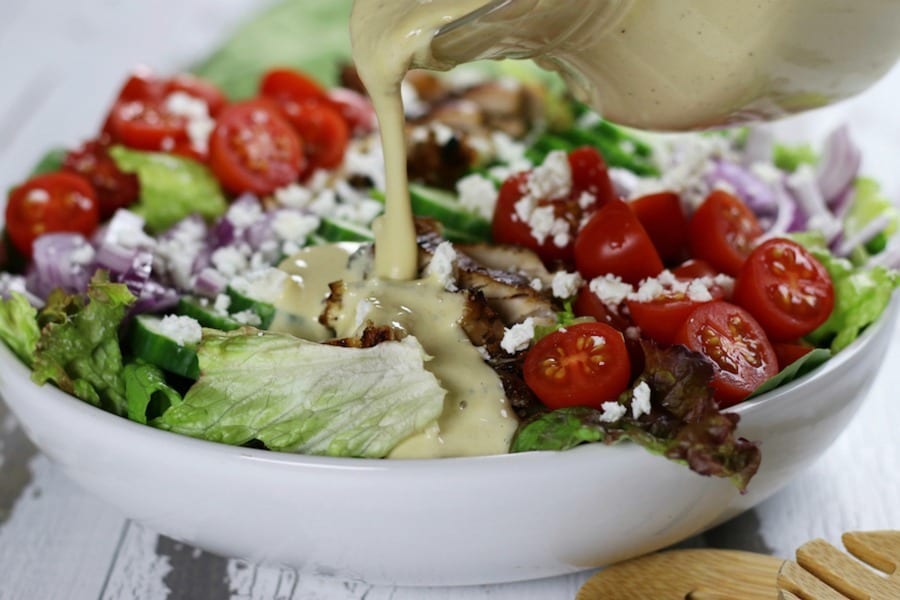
x=687 y=64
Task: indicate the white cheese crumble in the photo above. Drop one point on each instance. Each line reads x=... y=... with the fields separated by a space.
x=565 y=285
x=536 y=284
x=640 y=400
x=182 y=330
x=413 y=105
x=83 y=255
x=612 y=412
x=293 y=196
x=176 y=253
x=292 y=228
x=666 y=284
x=518 y=337
x=247 y=317
x=553 y=178
x=611 y=290
x=244 y=214
x=229 y=261
x=477 y=194
x=221 y=304
x=264 y=285
x=126 y=229
x=196 y=112
x=442 y=266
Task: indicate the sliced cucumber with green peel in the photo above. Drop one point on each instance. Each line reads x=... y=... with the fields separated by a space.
x=445 y=207
x=205 y=314
x=241 y=302
x=336 y=230
x=149 y=343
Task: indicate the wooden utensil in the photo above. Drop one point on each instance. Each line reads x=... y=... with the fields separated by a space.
x=821 y=572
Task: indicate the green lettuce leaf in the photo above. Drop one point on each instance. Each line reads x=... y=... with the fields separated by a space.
x=684 y=424
x=312 y=36
x=146 y=391
x=861 y=294
x=797 y=369
x=18 y=326
x=79 y=345
x=790 y=158
x=299 y=396
x=51 y=161
x=172 y=187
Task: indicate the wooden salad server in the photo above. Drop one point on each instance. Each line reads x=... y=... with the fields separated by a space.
x=821 y=572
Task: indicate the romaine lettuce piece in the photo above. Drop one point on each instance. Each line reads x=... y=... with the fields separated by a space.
x=172 y=187
x=79 y=345
x=18 y=326
x=684 y=424
x=298 y=396
x=147 y=392
x=861 y=294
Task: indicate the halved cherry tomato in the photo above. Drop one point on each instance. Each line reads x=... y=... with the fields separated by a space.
x=588 y=304
x=614 y=241
x=356 y=109
x=661 y=318
x=736 y=344
x=590 y=175
x=198 y=88
x=290 y=85
x=662 y=217
x=51 y=203
x=114 y=188
x=590 y=188
x=788 y=291
x=322 y=129
x=790 y=352
x=253 y=149
x=693 y=268
x=582 y=365
x=723 y=231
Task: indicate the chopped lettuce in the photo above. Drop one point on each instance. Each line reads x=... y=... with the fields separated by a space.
x=172 y=187
x=797 y=369
x=79 y=345
x=861 y=294
x=147 y=392
x=790 y=158
x=684 y=424
x=869 y=203
x=298 y=396
x=18 y=326
x=51 y=161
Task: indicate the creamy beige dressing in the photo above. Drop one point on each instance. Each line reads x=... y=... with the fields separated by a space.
x=311 y=270
x=477 y=419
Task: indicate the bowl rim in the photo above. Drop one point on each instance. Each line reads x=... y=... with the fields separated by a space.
x=151 y=435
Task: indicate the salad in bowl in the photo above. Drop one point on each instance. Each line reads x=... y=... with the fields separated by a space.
x=202 y=269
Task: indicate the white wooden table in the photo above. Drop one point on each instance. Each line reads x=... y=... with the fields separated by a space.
x=60 y=62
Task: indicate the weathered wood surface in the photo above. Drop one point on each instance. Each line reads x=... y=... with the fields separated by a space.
x=61 y=62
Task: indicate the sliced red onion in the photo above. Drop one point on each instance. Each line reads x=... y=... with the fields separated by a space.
x=209 y=283
x=356 y=108
x=839 y=165
x=60 y=260
x=871 y=229
x=786 y=213
x=804 y=189
x=10 y=283
x=154 y=298
x=756 y=193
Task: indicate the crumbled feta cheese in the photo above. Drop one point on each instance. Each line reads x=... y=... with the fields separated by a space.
x=264 y=285
x=293 y=196
x=518 y=337
x=698 y=291
x=649 y=290
x=483 y=352
x=245 y=213
x=442 y=266
x=510 y=152
x=83 y=255
x=182 y=330
x=324 y=204
x=640 y=400
x=413 y=105
x=611 y=290
x=229 y=261
x=536 y=284
x=565 y=285
x=553 y=178
x=586 y=200
x=293 y=226
x=221 y=304
x=176 y=252
x=366 y=158
x=633 y=332
x=477 y=194
x=196 y=112
x=442 y=134
x=126 y=229
x=612 y=412
x=247 y=317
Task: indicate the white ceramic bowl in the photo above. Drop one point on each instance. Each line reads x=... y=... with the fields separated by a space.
x=434 y=522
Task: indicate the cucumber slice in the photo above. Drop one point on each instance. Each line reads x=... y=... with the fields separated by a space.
x=336 y=230
x=205 y=315
x=240 y=302
x=444 y=206
x=149 y=343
